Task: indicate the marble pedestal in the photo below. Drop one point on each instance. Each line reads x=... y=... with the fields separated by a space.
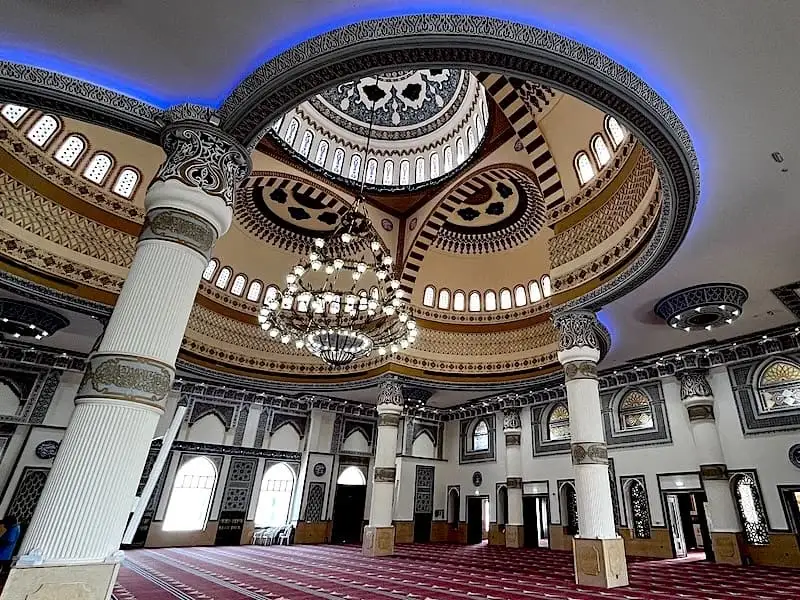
x=727 y=548
x=68 y=582
x=378 y=541
x=600 y=563
x=515 y=536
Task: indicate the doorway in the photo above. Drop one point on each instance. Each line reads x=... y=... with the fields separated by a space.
x=790 y=496
x=348 y=507
x=688 y=528
x=476 y=518
x=536 y=519
x=422 y=527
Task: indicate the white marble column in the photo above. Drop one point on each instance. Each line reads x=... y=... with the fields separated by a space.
x=599 y=551
x=379 y=534
x=722 y=517
x=82 y=513
x=512 y=431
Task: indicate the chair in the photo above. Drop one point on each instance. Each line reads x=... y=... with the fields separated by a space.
x=286 y=536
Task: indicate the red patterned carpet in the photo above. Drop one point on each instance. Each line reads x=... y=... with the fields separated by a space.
x=424 y=572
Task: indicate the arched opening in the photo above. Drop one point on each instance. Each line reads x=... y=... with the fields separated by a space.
x=751 y=509
x=568 y=501
x=70 y=150
x=480 y=437
x=584 y=168
x=190 y=499
x=275 y=496
x=558 y=423
x=351 y=476
x=459 y=301
x=637 y=507
x=211 y=268
x=600 y=150
x=9 y=400
x=348 y=506
x=635 y=411
x=126 y=182
x=453 y=508
x=43 y=130
x=502 y=507
x=98 y=168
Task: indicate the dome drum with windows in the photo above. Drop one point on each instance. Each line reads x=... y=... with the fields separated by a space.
x=321 y=310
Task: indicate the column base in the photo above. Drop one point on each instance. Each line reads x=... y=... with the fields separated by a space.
x=727 y=548
x=515 y=536
x=600 y=563
x=76 y=582
x=378 y=541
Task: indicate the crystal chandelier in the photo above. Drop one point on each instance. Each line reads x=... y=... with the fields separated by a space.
x=343 y=300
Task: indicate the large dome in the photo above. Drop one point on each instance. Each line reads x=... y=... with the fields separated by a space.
x=426 y=124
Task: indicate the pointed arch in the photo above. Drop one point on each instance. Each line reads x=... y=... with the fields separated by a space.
x=751 y=509
x=637 y=506
x=322 y=153
x=338 y=161
x=480 y=436
x=568 y=501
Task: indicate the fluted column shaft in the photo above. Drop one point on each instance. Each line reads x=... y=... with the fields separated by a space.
x=512 y=430
x=83 y=509
x=698 y=399
x=390 y=407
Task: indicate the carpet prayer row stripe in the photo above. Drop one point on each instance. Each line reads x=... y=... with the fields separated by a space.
x=425 y=572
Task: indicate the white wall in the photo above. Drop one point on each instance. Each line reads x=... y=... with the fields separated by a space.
x=285 y=438
x=209 y=429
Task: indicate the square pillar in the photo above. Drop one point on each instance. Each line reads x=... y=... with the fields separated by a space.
x=600 y=563
x=378 y=541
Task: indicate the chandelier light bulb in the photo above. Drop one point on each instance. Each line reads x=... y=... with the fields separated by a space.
x=394 y=348
x=381 y=275
x=273 y=304
x=382 y=351
x=292 y=289
x=299 y=344
x=402 y=317
x=394 y=283
x=387 y=260
x=361 y=267
x=291 y=278
x=399 y=293
x=338 y=263
x=388 y=310
x=375 y=245
x=371 y=312
x=329 y=269
x=411 y=325
x=356 y=275
x=347 y=238
x=395 y=302
x=316 y=265
x=265 y=326
x=404 y=344
x=313 y=256
x=274 y=332
x=262 y=319
x=319 y=242
x=286 y=338
x=299 y=270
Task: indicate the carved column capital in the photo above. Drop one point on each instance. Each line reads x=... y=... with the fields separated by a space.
x=390 y=397
x=576 y=329
x=694 y=384
x=512 y=420
x=204 y=157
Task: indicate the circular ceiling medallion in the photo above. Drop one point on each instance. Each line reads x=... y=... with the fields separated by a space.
x=704 y=306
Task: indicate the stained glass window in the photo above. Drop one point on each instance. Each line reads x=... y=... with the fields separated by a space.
x=640 y=510
x=43 y=130
x=475 y=301
x=98 y=168
x=534 y=292
x=546 y=291
x=237 y=287
x=429 y=296
x=505 y=299
x=635 y=411
x=751 y=510
x=570 y=505
x=459 y=301
x=615 y=131
x=388 y=172
x=448 y=159
x=600 y=149
x=70 y=150
x=13 y=113
x=355 y=166
x=405 y=172
x=291 y=132
x=444 y=299
x=254 y=292
x=372 y=170
x=211 y=268
x=558 y=423
x=490 y=300
x=419 y=175
x=338 y=161
x=305 y=144
x=584 y=168
x=126 y=182
x=223 y=278
x=520 y=299
x=779 y=386
x=322 y=153
x=480 y=437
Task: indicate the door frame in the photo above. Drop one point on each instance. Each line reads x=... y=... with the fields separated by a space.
x=546 y=523
x=677 y=526
x=486 y=497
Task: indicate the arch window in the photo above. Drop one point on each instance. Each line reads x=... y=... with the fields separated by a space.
x=98 y=168
x=223 y=278
x=448 y=159
x=584 y=168
x=276 y=126
x=635 y=411
x=434 y=165
x=429 y=296
x=70 y=150
x=275 y=496
x=254 y=291
x=453 y=508
x=305 y=143
x=779 y=386
x=751 y=510
x=322 y=153
x=126 y=182
x=558 y=422
x=600 y=150
x=490 y=300
x=520 y=299
x=271 y=293
x=534 y=292
x=405 y=172
x=505 y=299
x=569 y=508
x=13 y=113
x=291 y=132
x=484 y=110
x=615 y=131
x=461 y=156
x=419 y=170
x=459 y=301
x=351 y=476
x=372 y=170
x=338 y=161
x=639 y=510
x=190 y=500
x=388 y=172
x=474 y=301
x=444 y=299
x=480 y=437
x=43 y=130
x=502 y=506
x=355 y=166
x=210 y=269
x=546 y=289
x=471 y=140
x=479 y=126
